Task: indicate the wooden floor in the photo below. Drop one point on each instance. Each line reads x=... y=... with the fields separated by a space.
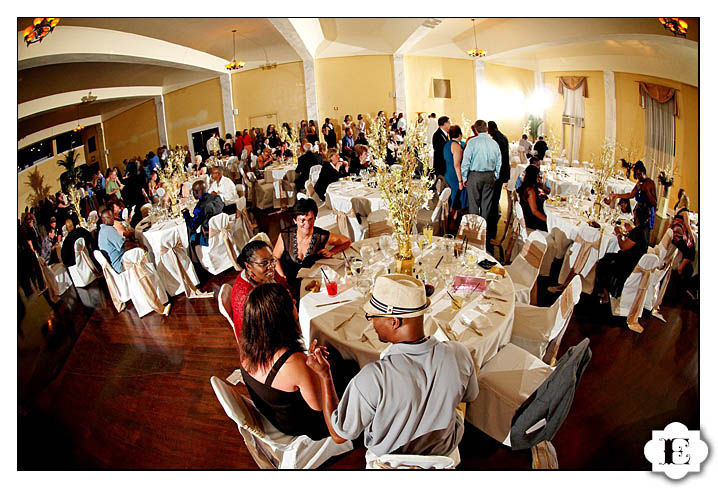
x=104 y=390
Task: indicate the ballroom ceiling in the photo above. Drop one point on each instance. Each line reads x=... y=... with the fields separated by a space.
x=140 y=54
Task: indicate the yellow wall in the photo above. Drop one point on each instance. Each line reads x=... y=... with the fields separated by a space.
x=508 y=90
x=419 y=72
x=279 y=91
x=356 y=84
x=593 y=134
x=51 y=172
x=132 y=133
x=631 y=128
x=97 y=155
x=193 y=106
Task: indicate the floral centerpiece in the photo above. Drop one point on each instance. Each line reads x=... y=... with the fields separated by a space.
x=172 y=176
x=292 y=139
x=630 y=155
x=665 y=178
x=378 y=140
x=403 y=194
x=604 y=168
x=554 y=145
x=73 y=194
x=466 y=126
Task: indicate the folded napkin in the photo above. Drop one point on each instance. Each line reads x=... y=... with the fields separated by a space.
x=486 y=264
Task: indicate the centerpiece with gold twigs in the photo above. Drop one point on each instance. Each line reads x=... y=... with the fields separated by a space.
x=172 y=176
x=292 y=139
x=73 y=194
x=404 y=195
x=604 y=167
x=466 y=126
x=378 y=140
x=554 y=145
x=630 y=155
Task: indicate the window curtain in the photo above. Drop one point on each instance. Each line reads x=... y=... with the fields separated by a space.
x=661 y=112
x=574 y=92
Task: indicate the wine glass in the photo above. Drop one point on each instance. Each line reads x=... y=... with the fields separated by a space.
x=356 y=265
x=366 y=253
x=363 y=285
x=385 y=244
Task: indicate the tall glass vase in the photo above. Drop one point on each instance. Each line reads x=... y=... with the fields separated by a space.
x=404 y=259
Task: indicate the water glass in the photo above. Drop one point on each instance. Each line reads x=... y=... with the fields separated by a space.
x=385 y=243
x=366 y=253
x=363 y=285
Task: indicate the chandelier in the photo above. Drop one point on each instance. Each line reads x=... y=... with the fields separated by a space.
x=476 y=52
x=40 y=28
x=677 y=26
x=234 y=65
x=79 y=127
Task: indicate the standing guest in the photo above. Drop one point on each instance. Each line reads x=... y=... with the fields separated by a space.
x=683 y=238
x=98 y=181
x=540 y=147
x=504 y=175
x=406 y=401
x=247 y=141
x=238 y=143
x=302 y=244
x=303 y=130
x=272 y=136
x=439 y=139
x=330 y=137
x=392 y=121
x=347 y=143
x=453 y=154
x=207 y=207
x=332 y=171
x=304 y=164
x=531 y=203
x=347 y=124
x=111 y=242
x=312 y=132
x=213 y=144
x=63 y=209
x=644 y=191
x=524 y=143
x=401 y=124
x=113 y=185
x=74 y=232
x=480 y=168
x=258 y=266
x=614 y=268
x=32 y=246
x=361 y=124
x=225 y=188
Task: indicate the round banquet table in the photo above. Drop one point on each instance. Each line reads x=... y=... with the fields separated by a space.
x=341 y=193
x=275 y=172
x=343 y=326
x=570 y=180
x=152 y=236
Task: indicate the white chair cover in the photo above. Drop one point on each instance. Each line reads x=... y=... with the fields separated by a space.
x=270 y=448
x=221 y=253
x=146 y=291
x=83 y=272
x=440 y=215
x=575 y=163
x=174 y=266
x=242 y=229
x=62 y=277
x=535 y=327
x=117 y=283
x=505 y=382
x=145 y=210
x=582 y=257
x=56 y=278
x=522 y=233
x=314 y=172
x=92 y=217
x=405 y=461
x=525 y=268
x=635 y=291
x=666 y=252
x=473 y=227
x=224 y=298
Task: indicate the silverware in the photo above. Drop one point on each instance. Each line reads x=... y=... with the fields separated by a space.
x=345 y=321
x=332 y=303
x=495 y=298
x=499 y=312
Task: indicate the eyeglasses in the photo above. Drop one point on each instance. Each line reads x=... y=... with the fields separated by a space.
x=369 y=317
x=264 y=264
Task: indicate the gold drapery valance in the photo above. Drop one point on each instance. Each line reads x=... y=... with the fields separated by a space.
x=572 y=83
x=659 y=93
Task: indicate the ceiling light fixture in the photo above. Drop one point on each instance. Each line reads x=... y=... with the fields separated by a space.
x=89 y=98
x=677 y=26
x=79 y=127
x=234 y=65
x=476 y=52
x=40 y=28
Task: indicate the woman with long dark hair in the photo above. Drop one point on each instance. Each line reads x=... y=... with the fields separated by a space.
x=531 y=204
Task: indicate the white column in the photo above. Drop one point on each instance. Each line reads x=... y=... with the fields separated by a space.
x=539 y=87
x=310 y=90
x=479 y=85
x=225 y=81
x=400 y=85
x=161 y=120
x=609 y=89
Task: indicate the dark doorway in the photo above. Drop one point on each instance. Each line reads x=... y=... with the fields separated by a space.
x=199 y=141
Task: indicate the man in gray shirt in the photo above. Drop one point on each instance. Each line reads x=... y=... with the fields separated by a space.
x=406 y=401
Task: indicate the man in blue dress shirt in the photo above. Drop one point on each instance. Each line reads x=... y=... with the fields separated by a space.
x=111 y=242
x=480 y=169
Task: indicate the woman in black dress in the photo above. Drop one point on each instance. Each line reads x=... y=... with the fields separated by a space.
x=302 y=244
x=529 y=199
x=332 y=170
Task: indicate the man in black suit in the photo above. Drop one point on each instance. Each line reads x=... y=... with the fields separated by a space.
x=540 y=147
x=304 y=163
x=504 y=175
x=441 y=136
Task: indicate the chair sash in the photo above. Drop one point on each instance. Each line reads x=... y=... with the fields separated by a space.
x=147 y=289
x=343 y=221
x=115 y=295
x=225 y=232
x=84 y=257
x=637 y=307
x=666 y=266
x=476 y=237
x=566 y=302
x=583 y=252
x=532 y=254
x=245 y=222
x=190 y=289
x=52 y=288
x=378 y=228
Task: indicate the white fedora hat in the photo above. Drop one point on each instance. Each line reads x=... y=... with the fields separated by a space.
x=397 y=295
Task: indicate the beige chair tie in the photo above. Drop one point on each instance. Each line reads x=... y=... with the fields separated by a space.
x=244 y=220
x=49 y=278
x=664 y=285
x=566 y=302
x=108 y=271
x=343 y=221
x=379 y=228
x=227 y=243
x=83 y=256
x=637 y=307
x=148 y=290
x=444 y=215
x=584 y=251
x=532 y=254
x=476 y=237
x=190 y=290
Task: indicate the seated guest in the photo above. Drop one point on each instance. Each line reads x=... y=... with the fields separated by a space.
x=531 y=203
x=207 y=207
x=361 y=139
x=302 y=244
x=274 y=366
x=121 y=225
x=228 y=150
x=332 y=171
x=198 y=163
x=74 y=232
x=258 y=266
x=225 y=188
x=544 y=186
x=614 y=268
x=111 y=243
x=359 y=160
x=264 y=158
x=406 y=401
x=283 y=151
x=683 y=237
x=304 y=164
x=624 y=205
x=347 y=143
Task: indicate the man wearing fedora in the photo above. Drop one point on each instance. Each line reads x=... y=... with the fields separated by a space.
x=406 y=401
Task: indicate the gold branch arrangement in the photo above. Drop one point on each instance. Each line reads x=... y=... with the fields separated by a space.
x=466 y=126
x=172 y=176
x=292 y=138
x=378 y=140
x=604 y=167
x=554 y=145
x=73 y=194
x=403 y=194
x=629 y=154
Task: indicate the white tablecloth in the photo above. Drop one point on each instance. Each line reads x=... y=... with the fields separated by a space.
x=569 y=181
x=569 y=222
x=152 y=238
x=341 y=193
x=275 y=172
